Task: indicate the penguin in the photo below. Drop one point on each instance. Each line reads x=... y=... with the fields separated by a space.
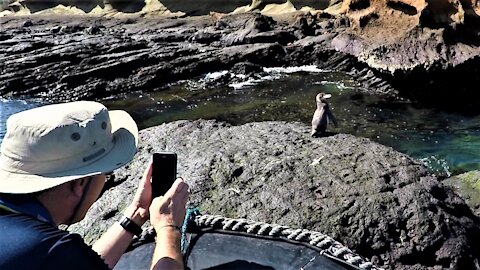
x=322 y=116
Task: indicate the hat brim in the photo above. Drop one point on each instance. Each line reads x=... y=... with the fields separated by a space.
x=125 y=141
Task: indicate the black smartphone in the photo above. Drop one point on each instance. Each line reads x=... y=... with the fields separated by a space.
x=164 y=172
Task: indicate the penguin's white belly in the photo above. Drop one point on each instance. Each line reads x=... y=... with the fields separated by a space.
x=319 y=121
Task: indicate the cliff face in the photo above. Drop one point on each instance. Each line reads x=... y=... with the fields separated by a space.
x=400 y=13
x=428 y=12
x=152 y=7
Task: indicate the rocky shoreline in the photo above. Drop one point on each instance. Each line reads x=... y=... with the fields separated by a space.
x=381 y=203
x=387 y=50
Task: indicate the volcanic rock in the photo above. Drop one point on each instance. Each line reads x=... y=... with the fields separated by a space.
x=380 y=203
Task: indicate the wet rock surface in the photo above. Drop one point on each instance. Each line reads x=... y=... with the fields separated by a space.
x=61 y=59
x=380 y=203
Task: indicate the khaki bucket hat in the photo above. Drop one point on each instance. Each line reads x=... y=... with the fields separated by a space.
x=51 y=145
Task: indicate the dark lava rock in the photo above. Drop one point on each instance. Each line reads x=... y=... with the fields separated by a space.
x=390 y=53
x=379 y=202
x=247 y=68
x=27 y=24
x=248 y=32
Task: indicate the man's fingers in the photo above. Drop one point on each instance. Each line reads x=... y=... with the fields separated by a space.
x=178 y=186
x=182 y=186
x=147 y=173
x=184 y=194
x=159 y=198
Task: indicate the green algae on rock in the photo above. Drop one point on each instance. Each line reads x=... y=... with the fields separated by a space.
x=467 y=185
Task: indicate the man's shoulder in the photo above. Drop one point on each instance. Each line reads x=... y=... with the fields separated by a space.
x=43 y=244
x=19 y=226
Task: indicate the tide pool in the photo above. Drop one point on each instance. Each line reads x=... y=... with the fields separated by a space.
x=447 y=142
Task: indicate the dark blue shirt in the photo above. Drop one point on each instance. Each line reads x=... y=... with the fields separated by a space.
x=29 y=242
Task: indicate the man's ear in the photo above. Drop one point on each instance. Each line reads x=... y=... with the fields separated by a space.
x=78 y=186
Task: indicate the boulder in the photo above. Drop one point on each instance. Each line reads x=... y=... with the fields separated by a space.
x=379 y=202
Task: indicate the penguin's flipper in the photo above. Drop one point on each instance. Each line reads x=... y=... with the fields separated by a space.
x=331 y=118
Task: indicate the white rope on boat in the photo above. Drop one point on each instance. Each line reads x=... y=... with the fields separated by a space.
x=327 y=244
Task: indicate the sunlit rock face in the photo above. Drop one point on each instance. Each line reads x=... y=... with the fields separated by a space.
x=192 y=7
x=156 y=7
x=430 y=13
x=36 y=5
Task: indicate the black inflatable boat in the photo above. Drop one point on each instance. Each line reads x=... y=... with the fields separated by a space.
x=218 y=243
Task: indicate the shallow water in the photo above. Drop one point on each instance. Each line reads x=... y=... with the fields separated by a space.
x=9 y=107
x=446 y=142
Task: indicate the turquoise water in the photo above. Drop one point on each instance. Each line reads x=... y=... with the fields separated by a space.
x=9 y=107
x=449 y=143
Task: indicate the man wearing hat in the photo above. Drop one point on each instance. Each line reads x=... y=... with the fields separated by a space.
x=53 y=164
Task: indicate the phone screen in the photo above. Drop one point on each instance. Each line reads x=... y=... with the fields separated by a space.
x=164 y=172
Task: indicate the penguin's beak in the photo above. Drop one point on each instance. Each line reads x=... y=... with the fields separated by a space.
x=327 y=96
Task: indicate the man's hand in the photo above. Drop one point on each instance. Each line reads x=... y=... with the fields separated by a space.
x=166 y=216
x=139 y=208
x=169 y=210
x=115 y=241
